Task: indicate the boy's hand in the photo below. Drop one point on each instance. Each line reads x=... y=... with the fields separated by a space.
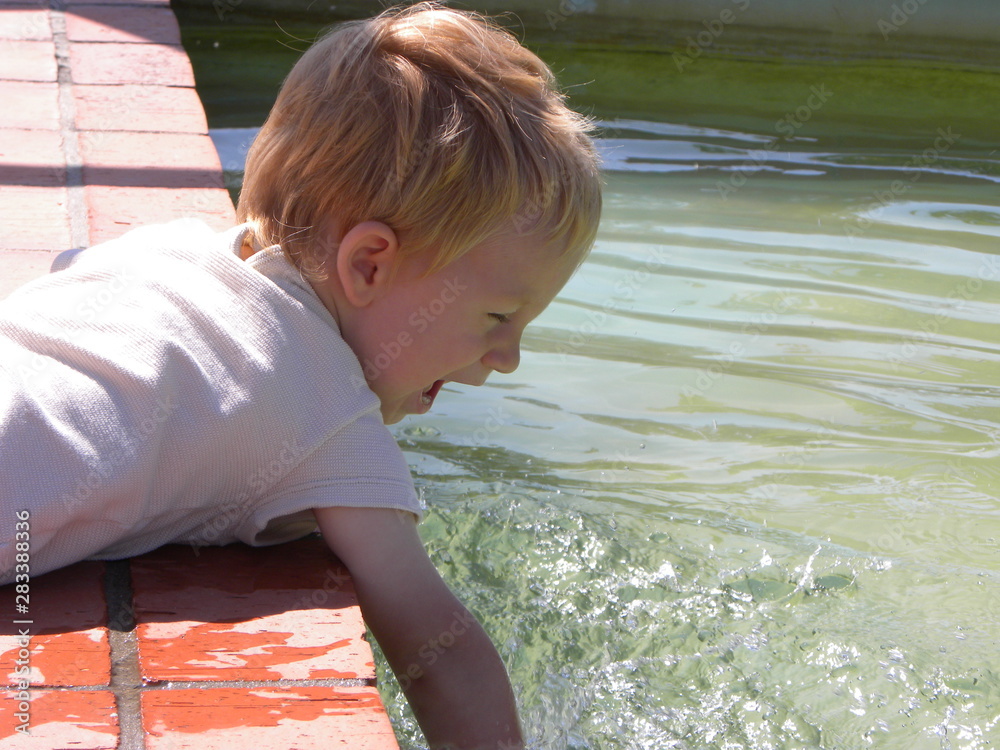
x=449 y=670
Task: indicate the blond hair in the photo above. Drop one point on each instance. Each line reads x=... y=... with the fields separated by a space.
x=434 y=121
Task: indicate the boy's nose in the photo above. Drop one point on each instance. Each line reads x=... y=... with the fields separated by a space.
x=504 y=359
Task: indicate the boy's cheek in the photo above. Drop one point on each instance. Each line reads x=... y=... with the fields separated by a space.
x=418 y=323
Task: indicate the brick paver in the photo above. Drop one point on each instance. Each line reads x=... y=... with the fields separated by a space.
x=272 y=617
x=61 y=719
x=114 y=63
x=37 y=104
x=110 y=23
x=112 y=211
x=24 y=24
x=27 y=60
x=304 y=718
x=69 y=641
x=160 y=109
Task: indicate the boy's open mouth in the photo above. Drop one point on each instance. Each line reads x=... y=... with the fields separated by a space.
x=427 y=397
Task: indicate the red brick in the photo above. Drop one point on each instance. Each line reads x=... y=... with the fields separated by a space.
x=18 y=267
x=114 y=63
x=112 y=211
x=31 y=157
x=239 y=613
x=37 y=105
x=34 y=218
x=59 y=719
x=149 y=160
x=304 y=718
x=109 y=23
x=27 y=61
x=163 y=109
x=69 y=644
x=25 y=24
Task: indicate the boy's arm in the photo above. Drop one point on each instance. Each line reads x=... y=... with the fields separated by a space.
x=449 y=670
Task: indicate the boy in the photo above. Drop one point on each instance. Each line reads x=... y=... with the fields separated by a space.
x=418 y=194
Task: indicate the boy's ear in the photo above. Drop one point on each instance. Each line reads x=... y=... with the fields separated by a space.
x=366 y=261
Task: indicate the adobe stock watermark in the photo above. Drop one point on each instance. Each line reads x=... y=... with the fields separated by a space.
x=255 y=484
x=900 y=16
x=882 y=198
x=567 y=9
x=625 y=291
x=419 y=322
x=111 y=462
x=495 y=420
x=23 y=621
x=35 y=26
x=931 y=326
x=435 y=648
x=703 y=40
x=224 y=8
x=88 y=309
x=786 y=128
x=751 y=330
x=527 y=218
x=335 y=580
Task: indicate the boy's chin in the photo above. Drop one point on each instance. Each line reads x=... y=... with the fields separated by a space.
x=419 y=402
x=395 y=413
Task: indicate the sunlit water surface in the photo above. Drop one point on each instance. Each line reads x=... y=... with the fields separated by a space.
x=744 y=490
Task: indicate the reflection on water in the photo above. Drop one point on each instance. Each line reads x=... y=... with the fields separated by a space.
x=744 y=490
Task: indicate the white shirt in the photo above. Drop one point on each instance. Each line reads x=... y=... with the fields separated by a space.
x=161 y=390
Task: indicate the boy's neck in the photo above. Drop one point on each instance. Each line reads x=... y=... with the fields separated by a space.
x=246 y=249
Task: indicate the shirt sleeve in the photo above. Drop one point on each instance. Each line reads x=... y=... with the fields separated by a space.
x=360 y=466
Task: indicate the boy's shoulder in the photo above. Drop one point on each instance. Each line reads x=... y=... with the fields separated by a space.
x=182 y=278
x=190 y=256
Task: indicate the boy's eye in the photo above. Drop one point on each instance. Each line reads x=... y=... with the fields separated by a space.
x=500 y=317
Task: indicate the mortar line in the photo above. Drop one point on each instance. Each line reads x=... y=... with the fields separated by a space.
x=166 y=685
x=76 y=204
x=347 y=682
x=126 y=680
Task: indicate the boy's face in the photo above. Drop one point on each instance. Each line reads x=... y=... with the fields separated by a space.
x=456 y=325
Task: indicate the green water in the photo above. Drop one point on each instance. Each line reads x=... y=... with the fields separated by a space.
x=744 y=490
